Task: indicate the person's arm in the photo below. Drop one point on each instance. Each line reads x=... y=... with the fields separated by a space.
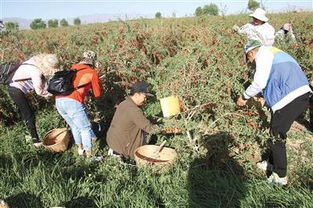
x=279 y=34
x=292 y=35
x=96 y=85
x=251 y=31
x=39 y=83
x=141 y=121
x=262 y=73
x=246 y=29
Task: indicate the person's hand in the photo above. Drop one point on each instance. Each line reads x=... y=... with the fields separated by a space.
x=48 y=97
x=235 y=28
x=174 y=130
x=241 y=102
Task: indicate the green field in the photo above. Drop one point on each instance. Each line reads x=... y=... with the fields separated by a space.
x=199 y=59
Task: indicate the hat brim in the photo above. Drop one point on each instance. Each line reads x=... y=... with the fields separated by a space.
x=259 y=17
x=149 y=94
x=87 y=61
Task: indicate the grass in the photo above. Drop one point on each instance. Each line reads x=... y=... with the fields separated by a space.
x=37 y=178
x=200 y=60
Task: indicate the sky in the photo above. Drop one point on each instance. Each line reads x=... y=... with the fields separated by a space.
x=57 y=9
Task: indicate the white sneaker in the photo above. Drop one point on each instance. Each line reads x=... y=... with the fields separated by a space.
x=38 y=144
x=28 y=139
x=111 y=153
x=264 y=165
x=80 y=151
x=95 y=159
x=275 y=179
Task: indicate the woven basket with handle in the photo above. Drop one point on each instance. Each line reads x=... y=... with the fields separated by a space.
x=57 y=140
x=153 y=156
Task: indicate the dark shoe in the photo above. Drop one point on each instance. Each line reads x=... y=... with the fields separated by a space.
x=128 y=162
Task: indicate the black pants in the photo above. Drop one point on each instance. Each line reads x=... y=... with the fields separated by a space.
x=27 y=112
x=281 y=122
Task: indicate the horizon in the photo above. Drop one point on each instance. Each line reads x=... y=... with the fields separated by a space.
x=68 y=9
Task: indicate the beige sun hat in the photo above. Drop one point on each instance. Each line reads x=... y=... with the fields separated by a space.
x=47 y=63
x=259 y=14
x=89 y=57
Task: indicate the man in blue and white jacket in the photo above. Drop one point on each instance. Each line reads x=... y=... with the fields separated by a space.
x=286 y=91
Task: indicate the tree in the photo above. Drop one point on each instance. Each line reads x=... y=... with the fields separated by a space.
x=53 y=23
x=198 y=11
x=11 y=26
x=262 y=4
x=64 y=23
x=77 y=21
x=253 y=5
x=211 y=9
x=223 y=9
x=38 y=24
x=158 y=15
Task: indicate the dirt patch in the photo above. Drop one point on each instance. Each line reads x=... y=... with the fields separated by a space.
x=294 y=144
x=297 y=127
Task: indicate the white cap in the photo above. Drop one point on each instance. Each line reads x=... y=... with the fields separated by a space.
x=259 y=14
x=287 y=27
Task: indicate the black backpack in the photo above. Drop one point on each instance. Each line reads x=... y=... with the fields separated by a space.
x=62 y=82
x=7 y=71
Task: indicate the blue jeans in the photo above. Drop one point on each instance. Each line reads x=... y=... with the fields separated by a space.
x=75 y=115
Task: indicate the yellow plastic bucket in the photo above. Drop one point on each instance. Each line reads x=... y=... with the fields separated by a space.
x=170 y=106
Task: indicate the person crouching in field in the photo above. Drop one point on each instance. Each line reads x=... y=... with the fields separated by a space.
x=71 y=107
x=285 y=33
x=286 y=91
x=129 y=125
x=31 y=76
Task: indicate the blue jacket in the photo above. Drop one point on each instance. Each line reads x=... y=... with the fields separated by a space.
x=279 y=76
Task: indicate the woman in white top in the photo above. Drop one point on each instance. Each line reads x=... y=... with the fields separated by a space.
x=31 y=76
x=259 y=29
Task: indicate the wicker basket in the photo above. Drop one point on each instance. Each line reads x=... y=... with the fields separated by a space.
x=57 y=140
x=147 y=155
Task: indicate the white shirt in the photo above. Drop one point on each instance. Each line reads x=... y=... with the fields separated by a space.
x=264 y=33
x=263 y=60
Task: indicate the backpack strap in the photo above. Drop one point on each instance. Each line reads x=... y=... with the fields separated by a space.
x=81 y=86
x=80 y=69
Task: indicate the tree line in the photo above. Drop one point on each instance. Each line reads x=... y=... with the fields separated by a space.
x=52 y=23
x=210 y=9
x=39 y=23
x=213 y=9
